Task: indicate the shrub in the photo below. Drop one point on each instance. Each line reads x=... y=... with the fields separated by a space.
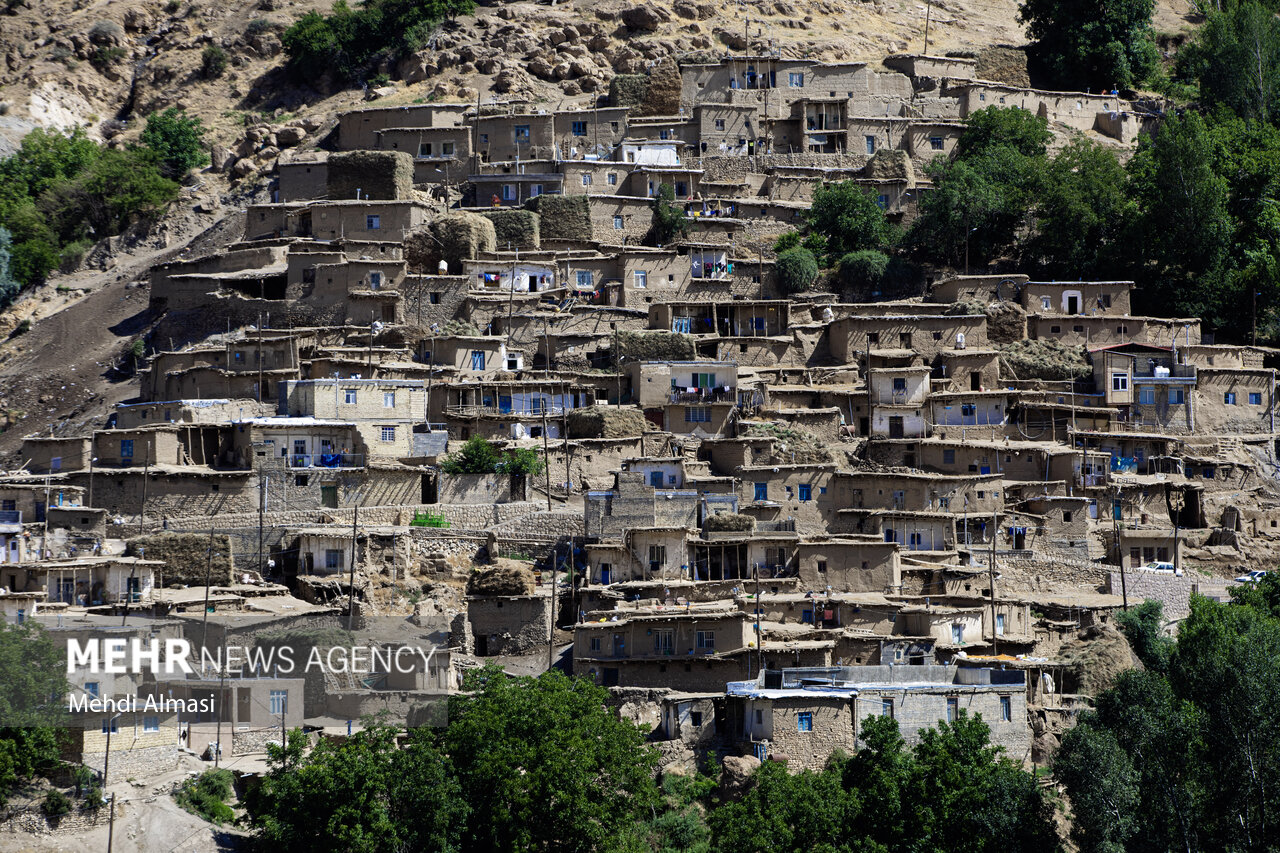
x=477 y=456
x=258 y=26
x=93 y=800
x=105 y=57
x=863 y=269
x=521 y=462
x=172 y=6
x=669 y=221
x=347 y=42
x=55 y=803
x=177 y=139
x=797 y=269
x=213 y=61
x=206 y=795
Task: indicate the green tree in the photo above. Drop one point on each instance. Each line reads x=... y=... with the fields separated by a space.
x=784 y=812
x=119 y=188
x=544 y=764
x=9 y=285
x=364 y=795
x=1236 y=60
x=521 y=462
x=1143 y=627
x=213 y=61
x=1183 y=222
x=177 y=139
x=477 y=456
x=1092 y=44
x=992 y=128
x=863 y=270
x=849 y=218
x=982 y=199
x=1187 y=759
x=953 y=791
x=1105 y=790
x=1082 y=215
x=33 y=685
x=796 y=269
x=669 y=221
x=348 y=42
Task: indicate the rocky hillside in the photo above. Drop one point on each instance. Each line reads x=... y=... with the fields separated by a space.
x=100 y=64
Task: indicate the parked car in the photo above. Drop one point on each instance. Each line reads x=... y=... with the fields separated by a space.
x=1159 y=566
x=1252 y=577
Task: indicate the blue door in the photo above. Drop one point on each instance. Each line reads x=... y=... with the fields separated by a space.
x=655 y=479
x=604 y=575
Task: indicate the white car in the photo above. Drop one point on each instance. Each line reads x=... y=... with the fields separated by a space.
x=1251 y=577
x=1159 y=566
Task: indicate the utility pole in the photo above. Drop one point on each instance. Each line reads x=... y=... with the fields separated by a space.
x=222 y=692
x=142 y=514
x=551 y=632
x=1255 y=317
x=208 y=574
x=991 y=580
x=262 y=508
x=351 y=587
x=1115 y=527
x=546 y=456
x=260 y=359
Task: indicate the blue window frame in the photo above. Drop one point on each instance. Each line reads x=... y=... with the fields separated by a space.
x=762 y=492
x=477 y=360
x=579 y=128
x=1255 y=398
x=126 y=448
x=806 y=492
x=804 y=721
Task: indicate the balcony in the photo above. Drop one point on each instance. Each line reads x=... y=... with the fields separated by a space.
x=704 y=395
x=326 y=460
x=900 y=398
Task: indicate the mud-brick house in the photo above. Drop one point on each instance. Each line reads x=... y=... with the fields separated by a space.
x=677 y=647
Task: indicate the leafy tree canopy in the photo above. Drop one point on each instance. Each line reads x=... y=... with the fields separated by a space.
x=1092 y=44
x=1187 y=757
x=797 y=269
x=177 y=139
x=349 y=42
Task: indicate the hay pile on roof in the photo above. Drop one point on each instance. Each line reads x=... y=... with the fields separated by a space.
x=1039 y=359
x=627 y=90
x=1006 y=322
x=655 y=346
x=890 y=164
x=501 y=580
x=729 y=521
x=186 y=556
x=518 y=229
x=1097 y=656
x=563 y=217
x=662 y=92
x=790 y=445
x=606 y=422
x=967 y=307
x=451 y=238
x=383 y=175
